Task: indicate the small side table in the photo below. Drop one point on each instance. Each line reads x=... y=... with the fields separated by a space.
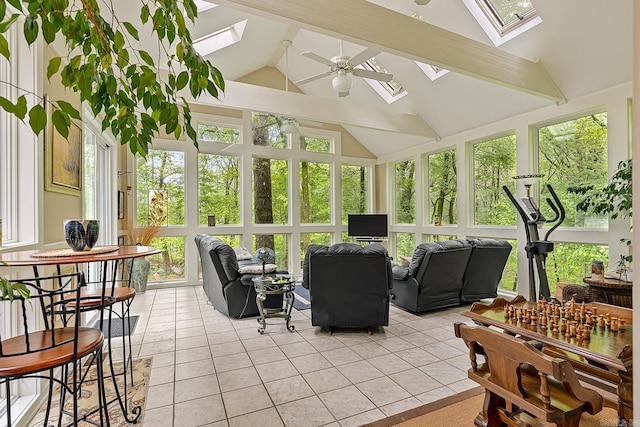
x=278 y=285
x=610 y=291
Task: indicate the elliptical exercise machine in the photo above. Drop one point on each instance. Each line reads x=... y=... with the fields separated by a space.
x=537 y=249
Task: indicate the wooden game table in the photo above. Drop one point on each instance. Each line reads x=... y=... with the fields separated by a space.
x=606 y=356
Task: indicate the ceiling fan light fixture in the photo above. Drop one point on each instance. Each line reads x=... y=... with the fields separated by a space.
x=288 y=127
x=342 y=82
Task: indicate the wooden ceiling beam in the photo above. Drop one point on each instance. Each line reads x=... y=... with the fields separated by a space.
x=368 y=24
x=263 y=99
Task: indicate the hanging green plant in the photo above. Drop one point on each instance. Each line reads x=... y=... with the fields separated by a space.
x=123 y=84
x=9 y=290
x=614 y=199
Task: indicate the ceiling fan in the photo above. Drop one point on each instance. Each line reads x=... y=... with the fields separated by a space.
x=343 y=66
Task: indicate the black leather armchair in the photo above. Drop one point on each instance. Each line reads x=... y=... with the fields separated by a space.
x=484 y=270
x=433 y=279
x=229 y=291
x=348 y=284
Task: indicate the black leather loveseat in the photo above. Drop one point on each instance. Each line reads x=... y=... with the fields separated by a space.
x=448 y=273
x=348 y=284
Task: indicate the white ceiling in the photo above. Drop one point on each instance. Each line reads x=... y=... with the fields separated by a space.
x=584 y=45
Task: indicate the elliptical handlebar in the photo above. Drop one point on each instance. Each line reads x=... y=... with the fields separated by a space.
x=557 y=207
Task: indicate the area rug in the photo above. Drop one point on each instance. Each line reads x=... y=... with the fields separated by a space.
x=117 y=328
x=303 y=299
x=137 y=395
x=461 y=409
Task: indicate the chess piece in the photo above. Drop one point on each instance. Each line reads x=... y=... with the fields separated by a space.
x=622 y=326
x=614 y=324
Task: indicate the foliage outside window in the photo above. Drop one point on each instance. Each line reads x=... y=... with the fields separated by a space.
x=307 y=239
x=270 y=191
x=279 y=243
x=162 y=172
x=442 y=188
x=570 y=262
x=315 y=193
x=438 y=237
x=266 y=131
x=316 y=144
x=570 y=153
x=354 y=191
x=405 y=245
x=169 y=264
x=494 y=165
x=222 y=134
x=218 y=189
x=405 y=195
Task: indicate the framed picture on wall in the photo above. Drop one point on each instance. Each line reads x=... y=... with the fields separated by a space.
x=63 y=157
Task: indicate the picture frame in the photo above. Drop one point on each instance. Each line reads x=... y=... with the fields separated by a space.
x=120 y=204
x=63 y=157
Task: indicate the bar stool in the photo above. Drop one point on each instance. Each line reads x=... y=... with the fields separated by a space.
x=114 y=279
x=63 y=343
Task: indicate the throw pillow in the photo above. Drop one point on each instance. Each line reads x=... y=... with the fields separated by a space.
x=242 y=253
x=257 y=269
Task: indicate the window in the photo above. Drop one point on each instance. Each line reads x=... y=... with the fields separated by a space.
x=405 y=194
x=220 y=39
x=390 y=91
x=160 y=188
x=19 y=152
x=442 y=188
x=169 y=264
x=494 y=165
x=570 y=262
x=218 y=189
x=270 y=191
x=316 y=143
x=315 y=193
x=574 y=153
x=221 y=134
x=354 y=191
x=405 y=245
x=503 y=20
x=266 y=131
x=279 y=243
x=307 y=239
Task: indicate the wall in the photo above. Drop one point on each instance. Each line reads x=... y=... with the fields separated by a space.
x=57 y=206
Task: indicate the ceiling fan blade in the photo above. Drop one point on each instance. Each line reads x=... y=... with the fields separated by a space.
x=363 y=56
x=383 y=77
x=343 y=94
x=318 y=58
x=312 y=78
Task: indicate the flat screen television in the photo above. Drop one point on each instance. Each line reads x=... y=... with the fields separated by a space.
x=367 y=225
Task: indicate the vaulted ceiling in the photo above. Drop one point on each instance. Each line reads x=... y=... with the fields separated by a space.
x=581 y=47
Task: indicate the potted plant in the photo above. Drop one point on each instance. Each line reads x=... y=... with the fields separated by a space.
x=143 y=236
x=614 y=199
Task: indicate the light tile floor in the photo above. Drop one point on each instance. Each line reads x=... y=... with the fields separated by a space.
x=210 y=370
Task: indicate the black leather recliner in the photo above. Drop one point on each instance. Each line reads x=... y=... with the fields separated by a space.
x=484 y=270
x=433 y=279
x=348 y=284
x=229 y=291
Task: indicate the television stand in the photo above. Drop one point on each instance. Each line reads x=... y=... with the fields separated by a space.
x=369 y=239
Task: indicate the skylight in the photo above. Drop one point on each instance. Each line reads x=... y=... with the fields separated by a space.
x=390 y=91
x=220 y=39
x=203 y=5
x=503 y=20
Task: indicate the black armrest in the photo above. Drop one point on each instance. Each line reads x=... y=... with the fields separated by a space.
x=399 y=272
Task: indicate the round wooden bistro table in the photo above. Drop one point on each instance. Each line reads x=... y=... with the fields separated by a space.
x=110 y=270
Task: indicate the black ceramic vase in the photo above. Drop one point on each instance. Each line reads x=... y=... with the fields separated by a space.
x=81 y=234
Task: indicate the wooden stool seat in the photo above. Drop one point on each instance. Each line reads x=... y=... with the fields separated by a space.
x=92 y=298
x=43 y=355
